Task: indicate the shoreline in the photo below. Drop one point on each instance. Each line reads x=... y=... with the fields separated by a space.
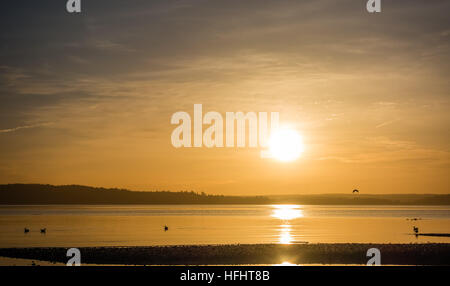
x=244 y=254
x=435 y=234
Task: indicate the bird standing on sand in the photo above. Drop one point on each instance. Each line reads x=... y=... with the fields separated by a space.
x=166 y=228
x=43 y=230
x=26 y=230
x=416 y=230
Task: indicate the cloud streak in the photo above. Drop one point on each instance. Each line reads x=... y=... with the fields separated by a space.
x=9 y=130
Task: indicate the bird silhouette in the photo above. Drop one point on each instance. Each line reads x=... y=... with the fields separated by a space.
x=43 y=230
x=355 y=191
x=166 y=228
x=26 y=230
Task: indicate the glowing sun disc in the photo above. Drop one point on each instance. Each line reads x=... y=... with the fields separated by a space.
x=285 y=145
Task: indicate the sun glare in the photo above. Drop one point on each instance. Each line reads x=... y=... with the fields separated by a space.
x=285 y=145
x=285 y=235
x=287 y=212
x=285 y=263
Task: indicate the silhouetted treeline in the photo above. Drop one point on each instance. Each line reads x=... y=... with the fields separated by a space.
x=363 y=199
x=75 y=194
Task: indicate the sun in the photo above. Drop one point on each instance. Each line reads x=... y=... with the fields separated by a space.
x=285 y=145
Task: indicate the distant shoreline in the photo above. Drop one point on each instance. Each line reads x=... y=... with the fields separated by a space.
x=435 y=234
x=237 y=254
x=35 y=194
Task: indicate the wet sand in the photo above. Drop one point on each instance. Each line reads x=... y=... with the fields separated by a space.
x=238 y=254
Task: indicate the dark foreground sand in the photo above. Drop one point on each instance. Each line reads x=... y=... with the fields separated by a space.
x=346 y=253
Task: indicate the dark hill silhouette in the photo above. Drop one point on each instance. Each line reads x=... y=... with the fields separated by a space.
x=363 y=199
x=76 y=194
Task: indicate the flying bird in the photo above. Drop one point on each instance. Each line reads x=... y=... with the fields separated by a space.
x=355 y=191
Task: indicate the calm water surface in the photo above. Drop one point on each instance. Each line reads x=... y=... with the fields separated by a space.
x=116 y=225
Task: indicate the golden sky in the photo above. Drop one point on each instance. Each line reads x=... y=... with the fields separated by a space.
x=87 y=99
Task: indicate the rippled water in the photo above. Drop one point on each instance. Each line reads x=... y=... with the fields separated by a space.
x=118 y=225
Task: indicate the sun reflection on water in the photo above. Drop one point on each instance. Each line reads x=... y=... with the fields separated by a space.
x=286 y=213
x=285 y=263
x=285 y=235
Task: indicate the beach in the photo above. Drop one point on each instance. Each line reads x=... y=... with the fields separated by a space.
x=243 y=254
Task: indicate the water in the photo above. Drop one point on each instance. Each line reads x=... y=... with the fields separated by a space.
x=118 y=225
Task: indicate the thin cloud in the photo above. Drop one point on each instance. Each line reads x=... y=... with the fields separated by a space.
x=8 y=130
x=386 y=123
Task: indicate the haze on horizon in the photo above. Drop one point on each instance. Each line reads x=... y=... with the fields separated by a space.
x=87 y=99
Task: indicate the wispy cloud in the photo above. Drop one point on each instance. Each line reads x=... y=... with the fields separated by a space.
x=8 y=130
x=386 y=123
x=386 y=150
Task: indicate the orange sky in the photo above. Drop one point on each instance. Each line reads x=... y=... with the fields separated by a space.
x=368 y=93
